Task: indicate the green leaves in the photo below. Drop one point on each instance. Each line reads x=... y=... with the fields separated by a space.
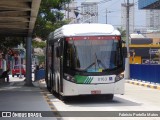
x=123 y=32
x=9 y=42
x=49 y=17
x=37 y=44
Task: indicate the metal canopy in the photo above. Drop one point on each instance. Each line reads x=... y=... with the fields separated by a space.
x=17 y=17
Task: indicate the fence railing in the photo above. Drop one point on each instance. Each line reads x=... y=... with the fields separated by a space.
x=150 y=73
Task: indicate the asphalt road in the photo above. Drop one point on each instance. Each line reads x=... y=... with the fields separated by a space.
x=136 y=98
x=138 y=103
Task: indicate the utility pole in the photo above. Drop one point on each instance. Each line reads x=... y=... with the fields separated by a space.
x=127 y=66
x=68 y=11
x=106 y=16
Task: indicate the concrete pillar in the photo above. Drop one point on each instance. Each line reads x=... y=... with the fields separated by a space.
x=28 y=61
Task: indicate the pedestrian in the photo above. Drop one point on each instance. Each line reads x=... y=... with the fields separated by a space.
x=5 y=74
x=41 y=66
x=37 y=67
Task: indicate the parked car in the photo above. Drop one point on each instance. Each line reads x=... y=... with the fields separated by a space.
x=16 y=70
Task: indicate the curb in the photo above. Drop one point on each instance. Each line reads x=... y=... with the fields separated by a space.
x=51 y=105
x=148 y=85
x=46 y=95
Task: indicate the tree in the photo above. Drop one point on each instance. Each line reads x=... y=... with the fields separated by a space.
x=9 y=42
x=123 y=33
x=49 y=17
x=36 y=44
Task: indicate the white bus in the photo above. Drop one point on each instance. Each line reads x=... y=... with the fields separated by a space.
x=85 y=59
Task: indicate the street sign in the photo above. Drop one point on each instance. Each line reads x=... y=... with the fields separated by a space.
x=153 y=51
x=147 y=61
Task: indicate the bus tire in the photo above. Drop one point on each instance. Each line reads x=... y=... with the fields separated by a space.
x=49 y=88
x=63 y=98
x=109 y=96
x=58 y=91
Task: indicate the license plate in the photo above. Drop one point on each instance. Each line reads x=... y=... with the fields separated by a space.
x=96 y=92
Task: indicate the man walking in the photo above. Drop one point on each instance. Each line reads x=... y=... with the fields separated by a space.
x=5 y=74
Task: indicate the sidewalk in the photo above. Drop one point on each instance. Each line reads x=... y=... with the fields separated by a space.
x=15 y=97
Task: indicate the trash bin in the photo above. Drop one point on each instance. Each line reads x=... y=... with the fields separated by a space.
x=39 y=74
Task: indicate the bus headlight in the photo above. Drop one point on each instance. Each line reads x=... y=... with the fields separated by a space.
x=119 y=77
x=69 y=78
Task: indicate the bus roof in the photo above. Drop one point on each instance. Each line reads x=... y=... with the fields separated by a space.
x=84 y=30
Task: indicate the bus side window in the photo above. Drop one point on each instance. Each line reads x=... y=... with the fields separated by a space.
x=68 y=57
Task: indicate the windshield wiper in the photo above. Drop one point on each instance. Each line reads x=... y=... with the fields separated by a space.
x=89 y=66
x=100 y=62
x=95 y=63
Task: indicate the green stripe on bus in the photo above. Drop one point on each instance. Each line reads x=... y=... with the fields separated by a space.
x=86 y=80
x=89 y=80
x=83 y=79
x=80 y=79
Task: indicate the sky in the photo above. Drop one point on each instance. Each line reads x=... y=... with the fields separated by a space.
x=114 y=17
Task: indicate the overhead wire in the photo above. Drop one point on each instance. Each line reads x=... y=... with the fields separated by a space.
x=103 y=1
x=104 y=10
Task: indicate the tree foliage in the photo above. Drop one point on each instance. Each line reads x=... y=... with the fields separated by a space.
x=37 y=44
x=49 y=17
x=123 y=32
x=9 y=42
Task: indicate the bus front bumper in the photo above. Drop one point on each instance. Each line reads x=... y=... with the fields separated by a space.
x=73 y=89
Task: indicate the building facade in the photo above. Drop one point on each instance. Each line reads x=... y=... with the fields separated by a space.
x=153 y=19
x=69 y=11
x=89 y=12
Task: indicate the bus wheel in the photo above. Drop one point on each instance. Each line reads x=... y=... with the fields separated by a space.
x=63 y=98
x=109 y=96
x=49 y=88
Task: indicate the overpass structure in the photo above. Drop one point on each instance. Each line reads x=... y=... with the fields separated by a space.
x=17 y=18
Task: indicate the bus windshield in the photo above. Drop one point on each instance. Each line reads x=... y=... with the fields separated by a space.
x=93 y=55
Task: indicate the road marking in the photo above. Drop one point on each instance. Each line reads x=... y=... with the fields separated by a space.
x=50 y=103
x=143 y=84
